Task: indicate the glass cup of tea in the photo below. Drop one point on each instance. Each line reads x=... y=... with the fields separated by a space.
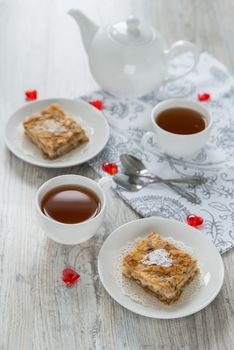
x=180 y=127
x=70 y=208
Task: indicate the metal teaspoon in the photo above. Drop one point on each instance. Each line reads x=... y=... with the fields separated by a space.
x=134 y=166
x=124 y=181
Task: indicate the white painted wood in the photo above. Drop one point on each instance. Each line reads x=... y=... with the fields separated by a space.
x=40 y=47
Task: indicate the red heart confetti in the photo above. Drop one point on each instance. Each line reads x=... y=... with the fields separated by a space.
x=203 y=97
x=110 y=168
x=70 y=276
x=31 y=95
x=194 y=220
x=97 y=103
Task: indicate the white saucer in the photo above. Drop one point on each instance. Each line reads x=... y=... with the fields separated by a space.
x=203 y=249
x=88 y=116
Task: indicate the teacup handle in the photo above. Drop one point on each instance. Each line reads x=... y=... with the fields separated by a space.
x=146 y=137
x=105 y=182
x=178 y=48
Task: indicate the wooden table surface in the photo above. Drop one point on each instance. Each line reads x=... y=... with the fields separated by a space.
x=40 y=47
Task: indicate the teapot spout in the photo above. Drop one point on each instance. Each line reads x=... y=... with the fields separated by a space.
x=87 y=27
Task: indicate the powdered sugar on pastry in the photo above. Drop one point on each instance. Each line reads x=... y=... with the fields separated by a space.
x=158 y=257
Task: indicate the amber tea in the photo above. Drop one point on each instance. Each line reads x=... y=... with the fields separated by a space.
x=180 y=120
x=70 y=204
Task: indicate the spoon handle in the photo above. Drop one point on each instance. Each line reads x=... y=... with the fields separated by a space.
x=191 y=197
x=190 y=180
x=193 y=180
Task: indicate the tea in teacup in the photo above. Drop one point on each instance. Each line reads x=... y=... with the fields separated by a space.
x=70 y=204
x=180 y=120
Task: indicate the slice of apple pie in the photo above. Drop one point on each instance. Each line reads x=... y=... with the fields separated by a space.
x=54 y=131
x=160 y=267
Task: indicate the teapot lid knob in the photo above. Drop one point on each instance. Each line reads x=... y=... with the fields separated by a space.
x=133 y=25
x=131 y=32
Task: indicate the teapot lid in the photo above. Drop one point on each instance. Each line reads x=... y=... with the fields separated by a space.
x=131 y=32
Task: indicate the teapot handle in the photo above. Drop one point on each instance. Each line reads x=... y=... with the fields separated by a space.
x=178 y=48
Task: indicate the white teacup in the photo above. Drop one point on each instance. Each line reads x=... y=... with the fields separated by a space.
x=70 y=233
x=178 y=145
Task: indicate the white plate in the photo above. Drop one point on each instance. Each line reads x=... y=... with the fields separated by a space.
x=88 y=116
x=203 y=249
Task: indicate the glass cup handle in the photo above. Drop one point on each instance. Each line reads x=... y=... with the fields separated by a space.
x=145 y=139
x=178 y=48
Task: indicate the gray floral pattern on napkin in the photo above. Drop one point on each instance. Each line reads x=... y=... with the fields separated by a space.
x=130 y=119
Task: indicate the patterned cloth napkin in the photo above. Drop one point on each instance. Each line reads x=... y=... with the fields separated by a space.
x=129 y=119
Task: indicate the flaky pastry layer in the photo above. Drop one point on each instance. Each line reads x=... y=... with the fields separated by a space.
x=167 y=283
x=54 y=132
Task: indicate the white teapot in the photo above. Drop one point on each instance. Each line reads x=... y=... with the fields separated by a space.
x=129 y=59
